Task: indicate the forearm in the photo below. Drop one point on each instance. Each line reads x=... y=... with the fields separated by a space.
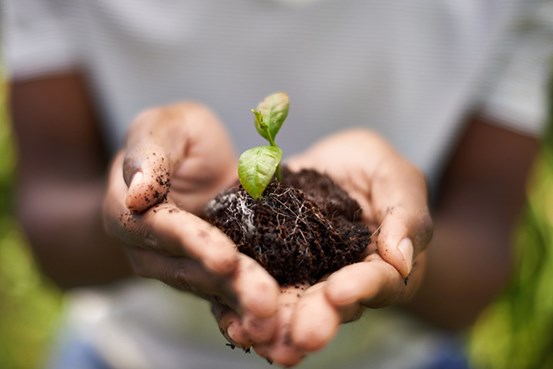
x=468 y=263
x=481 y=199
x=60 y=180
x=64 y=227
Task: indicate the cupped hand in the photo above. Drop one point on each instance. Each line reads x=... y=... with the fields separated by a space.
x=390 y=190
x=177 y=158
x=393 y=196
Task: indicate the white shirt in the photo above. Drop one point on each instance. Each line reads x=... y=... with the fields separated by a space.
x=408 y=69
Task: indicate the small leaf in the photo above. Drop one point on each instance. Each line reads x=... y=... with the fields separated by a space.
x=271 y=114
x=256 y=168
x=262 y=127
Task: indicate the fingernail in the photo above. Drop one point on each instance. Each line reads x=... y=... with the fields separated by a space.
x=405 y=247
x=236 y=335
x=232 y=333
x=133 y=201
x=136 y=178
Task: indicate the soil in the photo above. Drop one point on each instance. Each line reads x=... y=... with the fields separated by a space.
x=301 y=229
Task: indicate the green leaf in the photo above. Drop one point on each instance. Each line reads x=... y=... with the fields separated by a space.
x=262 y=127
x=256 y=168
x=271 y=114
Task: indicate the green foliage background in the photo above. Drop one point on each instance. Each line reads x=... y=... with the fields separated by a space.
x=29 y=307
x=517 y=331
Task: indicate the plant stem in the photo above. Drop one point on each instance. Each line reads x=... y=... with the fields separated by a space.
x=278 y=173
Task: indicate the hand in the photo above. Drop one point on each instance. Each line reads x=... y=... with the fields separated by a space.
x=390 y=190
x=280 y=349
x=177 y=158
x=393 y=196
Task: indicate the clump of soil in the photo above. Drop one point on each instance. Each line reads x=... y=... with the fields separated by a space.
x=302 y=228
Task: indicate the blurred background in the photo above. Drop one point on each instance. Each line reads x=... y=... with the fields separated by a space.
x=516 y=332
x=29 y=306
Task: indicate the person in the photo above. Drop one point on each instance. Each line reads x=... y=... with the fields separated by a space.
x=453 y=86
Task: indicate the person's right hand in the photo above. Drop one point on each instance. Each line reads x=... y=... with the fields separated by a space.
x=176 y=159
x=393 y=196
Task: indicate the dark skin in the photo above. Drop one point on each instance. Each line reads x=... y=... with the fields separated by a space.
x=481 y=197
x=61 y=189
x=61 y=171
x=482 y=193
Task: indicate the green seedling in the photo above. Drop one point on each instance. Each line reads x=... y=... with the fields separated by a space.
x=257 y=166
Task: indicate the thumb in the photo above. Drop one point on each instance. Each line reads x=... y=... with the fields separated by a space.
x=402 y=236
x=146 y=171
x=401 y=255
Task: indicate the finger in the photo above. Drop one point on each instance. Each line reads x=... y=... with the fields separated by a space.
x=156 y=141
x=315 y=321
x=258 y=295
x=281 y=350
x=174 y=232
x=230 y=326
x=399 y=193
x=176 y=142
x=250 y=290
x=374 y=283
x=150 y=156
x=167 y=229
x=184 y=274
x=147 y=172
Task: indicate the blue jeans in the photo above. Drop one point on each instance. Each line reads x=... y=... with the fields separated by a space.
x=452 y=355
x=75 y=352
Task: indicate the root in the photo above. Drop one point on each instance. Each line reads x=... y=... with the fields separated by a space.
x=297 y=236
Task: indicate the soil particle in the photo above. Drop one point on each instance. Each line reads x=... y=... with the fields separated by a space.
x=127 y=219
x=302 y=228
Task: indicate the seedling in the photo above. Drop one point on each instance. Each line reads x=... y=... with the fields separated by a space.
x=257 y=166
x=300 y=227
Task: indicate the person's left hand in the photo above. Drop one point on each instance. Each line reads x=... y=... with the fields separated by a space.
x=393 y=196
